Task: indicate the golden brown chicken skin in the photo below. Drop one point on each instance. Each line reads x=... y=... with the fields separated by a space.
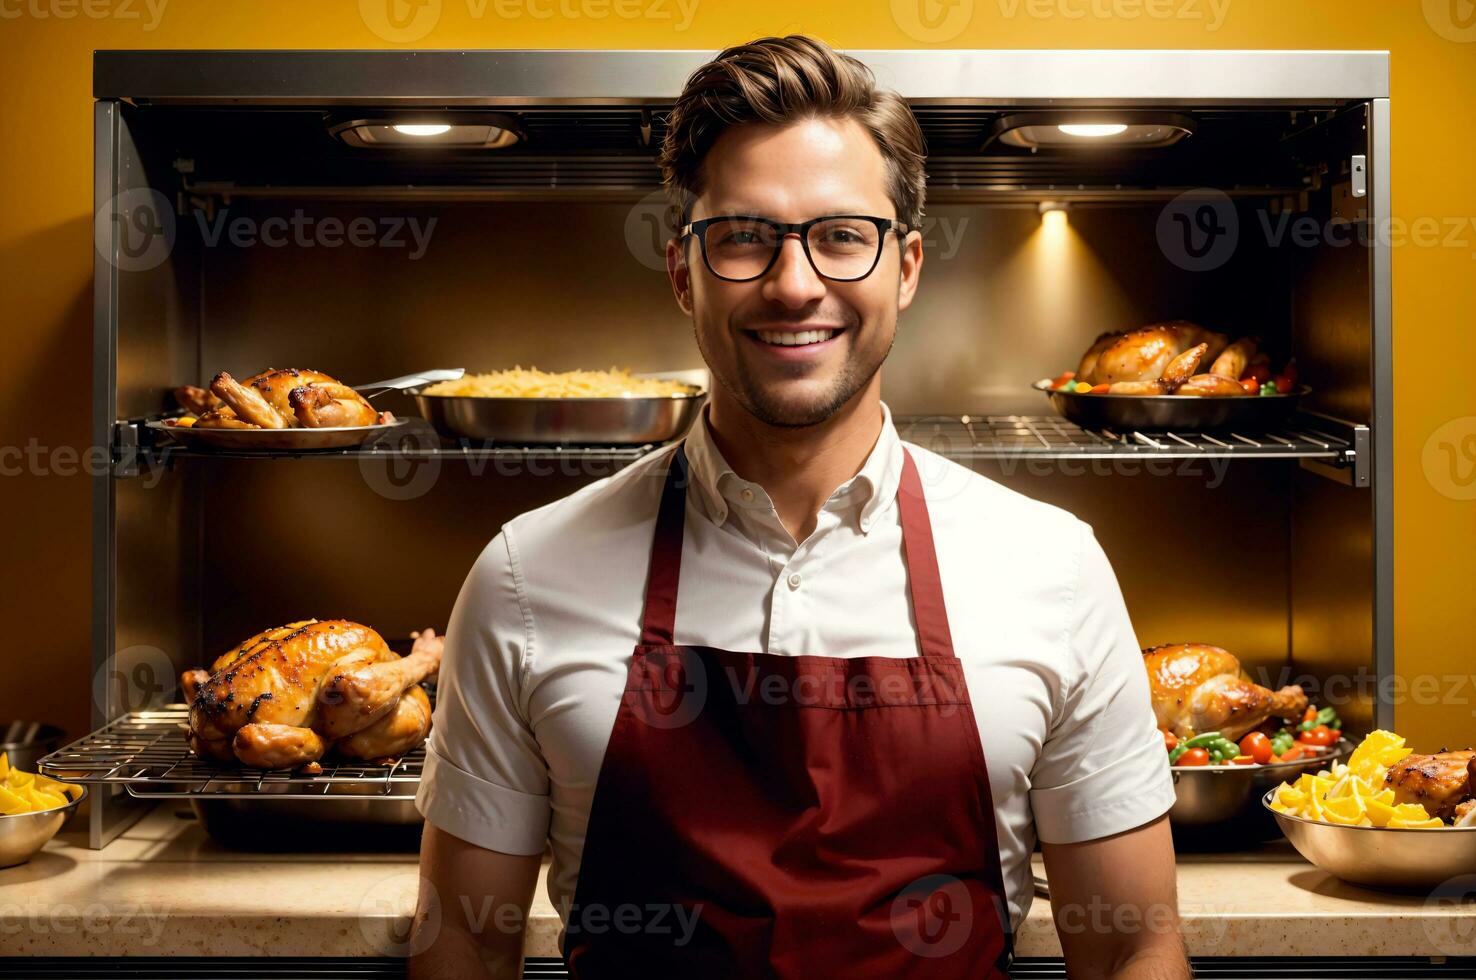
x=1440 y=782
x=1197 y=688
x=292 y=693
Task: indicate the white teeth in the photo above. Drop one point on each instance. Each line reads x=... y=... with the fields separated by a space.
x=795 y=339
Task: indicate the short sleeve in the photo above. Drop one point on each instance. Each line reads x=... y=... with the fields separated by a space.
x=485 y=779
x=1102 y=769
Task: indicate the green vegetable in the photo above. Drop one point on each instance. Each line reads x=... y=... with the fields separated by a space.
x=1179 y=750
x=1268 y=388
x=1223 y=751
x=1203 y=741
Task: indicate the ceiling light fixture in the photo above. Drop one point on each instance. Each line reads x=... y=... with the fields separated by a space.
x=1086 y=130
x=449 y=130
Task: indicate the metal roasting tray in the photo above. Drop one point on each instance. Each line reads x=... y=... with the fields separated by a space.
x=146 y=753
x=1185 y=412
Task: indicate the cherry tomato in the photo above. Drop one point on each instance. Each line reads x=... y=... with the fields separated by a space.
x=1251 y=386
x=1170 y=740
x=1283 y=384
x=1195 y=757
x=1258 y=371
x=1321 y=735
x=1257 y=746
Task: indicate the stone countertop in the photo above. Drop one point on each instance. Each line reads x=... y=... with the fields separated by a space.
x=164 y=888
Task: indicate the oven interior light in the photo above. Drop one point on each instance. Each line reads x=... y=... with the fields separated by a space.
x=1093 y=130
x=424 y=129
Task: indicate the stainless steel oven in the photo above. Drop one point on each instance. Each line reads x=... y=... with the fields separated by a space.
x=228 y=183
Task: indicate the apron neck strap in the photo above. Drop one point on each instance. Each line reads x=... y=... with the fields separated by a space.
x=658 y=621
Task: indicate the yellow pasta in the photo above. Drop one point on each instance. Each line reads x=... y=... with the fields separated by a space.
x=533 y=383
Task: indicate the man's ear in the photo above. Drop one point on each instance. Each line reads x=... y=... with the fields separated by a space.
x=680 y=275
x=912 y=260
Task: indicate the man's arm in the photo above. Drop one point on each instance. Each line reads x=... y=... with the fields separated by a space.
x=1115 y=902
x=472 y=911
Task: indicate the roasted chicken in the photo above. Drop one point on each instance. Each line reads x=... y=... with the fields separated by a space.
x=1172 y=358
x=1443 y=783
x=1145 y=353
x=288 y=695
x=282 y=398
x=1198 y=688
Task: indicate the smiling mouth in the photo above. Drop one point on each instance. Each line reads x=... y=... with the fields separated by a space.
x=795 y=338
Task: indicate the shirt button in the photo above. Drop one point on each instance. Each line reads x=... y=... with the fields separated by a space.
x=794 y=580
x=746 y=494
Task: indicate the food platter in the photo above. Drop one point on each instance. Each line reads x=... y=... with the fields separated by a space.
x=273 y=440
x=1148 y=413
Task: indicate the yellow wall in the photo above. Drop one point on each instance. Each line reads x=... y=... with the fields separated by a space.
x=46 y=248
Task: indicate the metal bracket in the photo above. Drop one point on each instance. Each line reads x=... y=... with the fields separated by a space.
x=1355 y=467
x=1358 y=170
x=125 y=449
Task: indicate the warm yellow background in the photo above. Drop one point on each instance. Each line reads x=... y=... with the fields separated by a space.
x=46 y=251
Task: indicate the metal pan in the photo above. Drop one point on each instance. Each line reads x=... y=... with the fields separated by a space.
x=1190 y=413
x=1219 y=806
x=630 y=421
x=274 y=440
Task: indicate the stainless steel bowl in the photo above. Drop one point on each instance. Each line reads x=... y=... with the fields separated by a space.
x=23 y=834
x=1381 y=857
x=25 y=742
x=562 y=421
x=1220 y=804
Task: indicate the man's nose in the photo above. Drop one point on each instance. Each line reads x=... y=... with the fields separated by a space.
x=793 y=280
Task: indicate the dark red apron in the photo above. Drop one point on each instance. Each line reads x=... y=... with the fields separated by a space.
x=760 y=815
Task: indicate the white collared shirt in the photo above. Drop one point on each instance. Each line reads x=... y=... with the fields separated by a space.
x=547 y=620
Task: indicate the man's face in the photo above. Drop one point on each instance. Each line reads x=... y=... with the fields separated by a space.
x=746 y=330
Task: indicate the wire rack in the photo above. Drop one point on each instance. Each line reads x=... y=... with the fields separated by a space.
x=146 y=753
x=968 y=437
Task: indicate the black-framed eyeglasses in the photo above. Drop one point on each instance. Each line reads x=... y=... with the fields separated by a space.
x=840 y=247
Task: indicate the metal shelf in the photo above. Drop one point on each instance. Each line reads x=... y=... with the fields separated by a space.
x=967 y=437
x=1318 y=439
x=146 y=753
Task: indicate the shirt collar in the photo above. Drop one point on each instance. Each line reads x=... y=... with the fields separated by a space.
x=865 y=497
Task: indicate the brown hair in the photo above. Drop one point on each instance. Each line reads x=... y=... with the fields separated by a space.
x=783 y=80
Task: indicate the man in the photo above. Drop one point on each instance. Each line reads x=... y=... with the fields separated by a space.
x=885 y=678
